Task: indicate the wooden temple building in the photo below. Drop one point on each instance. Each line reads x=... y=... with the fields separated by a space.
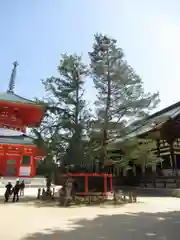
x=18 y=153
x=164 y=128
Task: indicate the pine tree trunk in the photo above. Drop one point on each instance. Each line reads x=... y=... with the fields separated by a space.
x=106 y=117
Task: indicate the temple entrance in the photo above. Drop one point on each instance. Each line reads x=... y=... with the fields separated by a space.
x=11 y=165
x=10 y=170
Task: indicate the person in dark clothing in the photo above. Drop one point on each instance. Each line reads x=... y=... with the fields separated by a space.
x=48 y=186
x=16 y=192
x=74 y=189
x=22 y=187
x=8 y=191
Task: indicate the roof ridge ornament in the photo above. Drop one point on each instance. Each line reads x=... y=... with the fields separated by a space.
x=12 y=78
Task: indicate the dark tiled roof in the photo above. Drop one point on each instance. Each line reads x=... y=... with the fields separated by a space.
x=170 y=111
x=153 y=121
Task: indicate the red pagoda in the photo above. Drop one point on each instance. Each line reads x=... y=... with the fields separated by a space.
x=18 y=153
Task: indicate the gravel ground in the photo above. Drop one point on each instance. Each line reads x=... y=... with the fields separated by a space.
x=152 y=218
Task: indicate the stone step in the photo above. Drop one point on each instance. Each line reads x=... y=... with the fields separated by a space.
x=155 y=192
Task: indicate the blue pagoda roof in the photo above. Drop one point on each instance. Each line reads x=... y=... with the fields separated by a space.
x=12 y=97
x=8 y=136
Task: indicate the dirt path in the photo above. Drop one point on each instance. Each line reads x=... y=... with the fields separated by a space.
x=155 y=218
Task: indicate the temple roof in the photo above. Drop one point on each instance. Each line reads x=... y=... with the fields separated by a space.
x=152 y=122
x=29 y=112
x=12 y=97
x=16 y=140
x=10 y=133
x=8 y=136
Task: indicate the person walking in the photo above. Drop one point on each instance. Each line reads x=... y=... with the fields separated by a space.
x=8 y=192
x=16 y=191
x=22 y=187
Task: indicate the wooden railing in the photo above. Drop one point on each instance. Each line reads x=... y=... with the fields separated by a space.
x=161 y=182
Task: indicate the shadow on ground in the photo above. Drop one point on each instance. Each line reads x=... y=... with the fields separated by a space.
x=141 y=226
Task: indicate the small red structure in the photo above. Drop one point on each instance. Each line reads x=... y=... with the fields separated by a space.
x=18 y=153
x=104 y=186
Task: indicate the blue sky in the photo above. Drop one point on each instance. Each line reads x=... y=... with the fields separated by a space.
x=36 y=32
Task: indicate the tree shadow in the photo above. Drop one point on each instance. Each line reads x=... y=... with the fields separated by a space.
x=141 y=226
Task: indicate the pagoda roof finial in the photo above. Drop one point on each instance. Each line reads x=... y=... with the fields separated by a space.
x=12 y=78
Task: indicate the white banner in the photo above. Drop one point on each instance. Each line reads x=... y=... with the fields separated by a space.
x=25 y=171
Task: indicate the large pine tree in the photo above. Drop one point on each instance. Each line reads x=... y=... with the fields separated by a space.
x=66 y=96
x=120 y=92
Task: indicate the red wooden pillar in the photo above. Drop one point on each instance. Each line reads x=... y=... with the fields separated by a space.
x=18 y=164
x=2 y=164
x=33 y=166
x=111 y=185
x=3 y=160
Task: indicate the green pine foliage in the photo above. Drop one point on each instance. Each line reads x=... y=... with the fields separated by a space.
x=140 y=151
x=68 y=107
x=68 y=131
x=120 y=92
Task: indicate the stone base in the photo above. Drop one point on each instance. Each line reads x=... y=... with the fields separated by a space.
x=176 y=193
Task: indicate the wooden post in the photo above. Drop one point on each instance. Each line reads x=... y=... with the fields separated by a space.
x=154 y=175
x=105 y=184
x=173 y=158
x=143 y=167
x=111 y=183
x=124 y=172
x=86 y=184
x=134 y=169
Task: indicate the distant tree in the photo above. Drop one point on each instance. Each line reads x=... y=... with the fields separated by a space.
x=120 y=93
x=140 y=152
